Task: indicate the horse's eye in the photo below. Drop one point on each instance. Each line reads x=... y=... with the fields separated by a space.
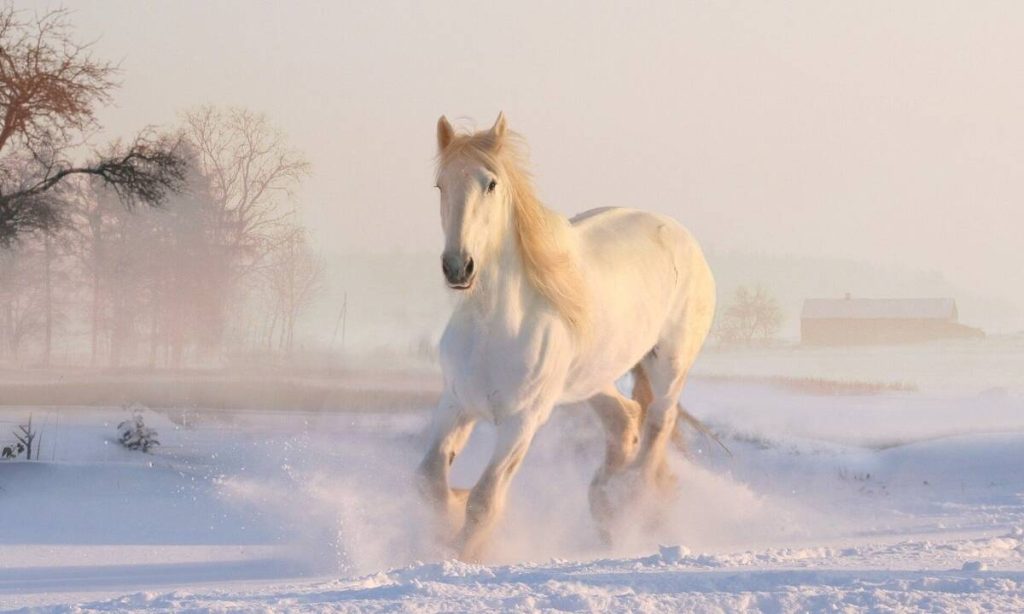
x=490 y=187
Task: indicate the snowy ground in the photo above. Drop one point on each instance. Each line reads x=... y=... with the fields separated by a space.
x=901 y=500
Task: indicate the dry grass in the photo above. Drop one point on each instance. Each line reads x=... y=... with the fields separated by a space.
x=341 y=391
x=370 y=392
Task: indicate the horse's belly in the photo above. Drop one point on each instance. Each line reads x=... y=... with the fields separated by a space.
x=612 y=353
x=630 y=262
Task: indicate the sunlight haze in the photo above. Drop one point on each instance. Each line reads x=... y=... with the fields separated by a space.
x=875 y=132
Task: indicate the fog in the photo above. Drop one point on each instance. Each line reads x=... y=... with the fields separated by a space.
x=870 y=133
x=220 y=401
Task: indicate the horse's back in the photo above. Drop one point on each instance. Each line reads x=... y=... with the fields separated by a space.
x=648 y=280
x=620 y=237
x=656 y=258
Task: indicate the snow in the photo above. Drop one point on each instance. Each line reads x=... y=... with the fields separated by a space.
x=890 y=501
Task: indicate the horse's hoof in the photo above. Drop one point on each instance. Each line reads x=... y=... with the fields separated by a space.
x=666 y=484
x=610 y=499
x=471 y=548
x=604 y=534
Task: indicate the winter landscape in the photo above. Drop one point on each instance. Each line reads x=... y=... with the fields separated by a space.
x=225 y=281
x=898 y=500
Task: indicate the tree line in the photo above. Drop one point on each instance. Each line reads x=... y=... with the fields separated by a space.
x=170 y=249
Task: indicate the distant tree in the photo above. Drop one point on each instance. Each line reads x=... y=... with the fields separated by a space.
x=50 y=87
x=252 y=172
x=26 y=435
x=21 y=301
x=752 y=315
x=168 y=284
x=52 y=254
x=92 y=223
x=293 y=277
x=188 y=276
x=151 y=273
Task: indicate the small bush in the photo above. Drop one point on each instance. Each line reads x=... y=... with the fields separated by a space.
x=25 y=435
x=12 y=451
x=135 y=435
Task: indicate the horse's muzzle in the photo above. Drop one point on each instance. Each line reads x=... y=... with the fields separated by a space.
x=458 y=270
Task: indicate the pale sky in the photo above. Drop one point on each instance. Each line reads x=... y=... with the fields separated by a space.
x=879 y=131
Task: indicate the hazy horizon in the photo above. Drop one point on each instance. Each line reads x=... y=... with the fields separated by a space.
x=871 y=132
x=262 y=393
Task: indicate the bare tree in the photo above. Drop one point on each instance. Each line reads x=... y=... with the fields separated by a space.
x=91 y=231
x=252 y=173
x=49 y=256
x=50 y=87
x=294 y=278
x=154 y=275
x=752 y=314
x=21 y=303
x=26 y=435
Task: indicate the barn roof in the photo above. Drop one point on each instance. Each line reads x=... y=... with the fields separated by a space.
x=880 y=308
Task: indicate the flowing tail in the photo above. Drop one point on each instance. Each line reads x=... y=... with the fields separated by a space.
x=699 y=426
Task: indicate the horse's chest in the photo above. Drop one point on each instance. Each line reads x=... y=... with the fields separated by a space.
x=494 y=374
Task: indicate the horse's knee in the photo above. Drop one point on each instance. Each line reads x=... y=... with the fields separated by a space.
x=659 y=424
x=621 y=420
x=431 y=476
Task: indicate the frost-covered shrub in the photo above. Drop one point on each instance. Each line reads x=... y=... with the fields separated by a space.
x=135 y=435
x=25 y=435
x=12 y=451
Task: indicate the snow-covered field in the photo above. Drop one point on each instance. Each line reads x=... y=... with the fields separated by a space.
x=890 y=501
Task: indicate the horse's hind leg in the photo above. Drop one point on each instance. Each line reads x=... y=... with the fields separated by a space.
x=621 y=418
x=667 y=374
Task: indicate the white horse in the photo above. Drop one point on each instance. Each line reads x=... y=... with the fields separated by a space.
x=554 y=311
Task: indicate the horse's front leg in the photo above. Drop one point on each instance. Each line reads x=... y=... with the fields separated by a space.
x=487 y=499
x=451 y=430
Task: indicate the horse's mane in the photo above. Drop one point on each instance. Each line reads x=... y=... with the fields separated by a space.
x=543 y=236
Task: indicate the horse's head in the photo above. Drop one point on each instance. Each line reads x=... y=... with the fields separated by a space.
x=474 y=203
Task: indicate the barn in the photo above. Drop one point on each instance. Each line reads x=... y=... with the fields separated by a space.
x=868 y=321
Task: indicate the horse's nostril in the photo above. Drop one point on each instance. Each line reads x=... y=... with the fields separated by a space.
x=458 y=269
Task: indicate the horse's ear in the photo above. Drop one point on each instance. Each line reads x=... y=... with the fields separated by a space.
x=499 y=127
x=445 y=133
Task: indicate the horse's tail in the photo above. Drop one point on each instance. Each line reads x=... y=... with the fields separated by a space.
x=643 y=394
x=700 y=427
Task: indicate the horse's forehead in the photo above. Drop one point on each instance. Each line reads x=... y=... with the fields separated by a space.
x=462 y=167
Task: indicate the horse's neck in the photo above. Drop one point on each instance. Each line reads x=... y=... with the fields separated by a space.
x=504 y=294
